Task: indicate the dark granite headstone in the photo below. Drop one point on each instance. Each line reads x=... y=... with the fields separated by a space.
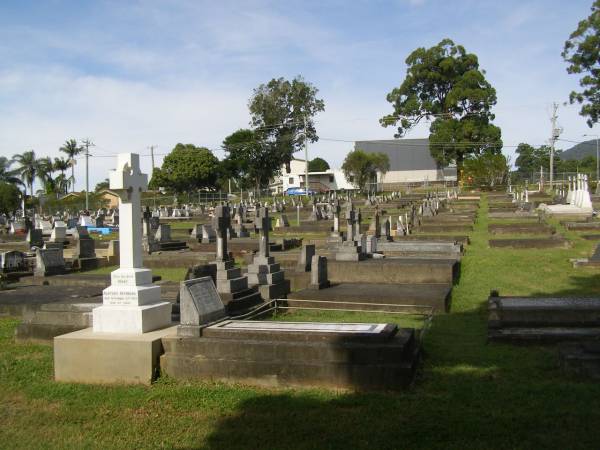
x=49 y=262
x=200 y=305
x=35 y=237
x=13 y=261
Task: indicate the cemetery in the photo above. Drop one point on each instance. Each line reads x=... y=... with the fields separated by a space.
x=300 y=225
x=362 y=302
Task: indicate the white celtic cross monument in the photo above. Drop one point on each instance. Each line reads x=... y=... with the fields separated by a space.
x=131 y=304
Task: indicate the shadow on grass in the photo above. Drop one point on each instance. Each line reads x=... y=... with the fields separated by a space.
x=583 y=285
x=469 y=395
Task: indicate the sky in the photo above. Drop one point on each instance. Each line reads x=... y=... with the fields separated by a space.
x=132 y=74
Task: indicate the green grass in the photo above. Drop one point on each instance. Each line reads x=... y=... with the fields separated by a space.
x=468 y=394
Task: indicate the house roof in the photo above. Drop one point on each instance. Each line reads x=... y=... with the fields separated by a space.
x=404 y=154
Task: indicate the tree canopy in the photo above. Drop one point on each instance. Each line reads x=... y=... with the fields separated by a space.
x=582 y=52
x=279 y=111
x=248 y=160
x=444 y=84
x=361 y=167
x=487 y=169
x=187 y=168
x=530 y=159
x=318 y=165
x=9 y=198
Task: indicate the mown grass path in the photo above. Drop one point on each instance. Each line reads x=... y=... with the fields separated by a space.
x=468 y=395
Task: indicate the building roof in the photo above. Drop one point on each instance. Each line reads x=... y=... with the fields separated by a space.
x=404 y=154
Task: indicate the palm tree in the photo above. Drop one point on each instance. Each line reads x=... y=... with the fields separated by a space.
x=7 y=175
x=28 y=168
x=61 y=165
x=45 y=168
x=72 y=150
x=61 y=182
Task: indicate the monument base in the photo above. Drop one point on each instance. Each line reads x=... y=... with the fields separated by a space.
x=99 y=358
x=132 y=319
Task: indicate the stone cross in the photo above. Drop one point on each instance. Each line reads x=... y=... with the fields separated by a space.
x=350 y=217
x=262 y=224
x=129 y=182
x=336 y=216
x=221 y=223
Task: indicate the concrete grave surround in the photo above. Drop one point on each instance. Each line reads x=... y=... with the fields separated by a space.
x=131 y=304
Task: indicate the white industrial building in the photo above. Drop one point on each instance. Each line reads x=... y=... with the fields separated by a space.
x=410 y=162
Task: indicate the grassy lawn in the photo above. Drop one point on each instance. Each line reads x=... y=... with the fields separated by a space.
x=468 y=394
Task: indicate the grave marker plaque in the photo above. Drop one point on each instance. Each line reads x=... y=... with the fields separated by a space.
x=200 y=305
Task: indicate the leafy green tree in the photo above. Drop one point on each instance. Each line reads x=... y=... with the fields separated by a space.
x=102 y=185
x=186 y=169
x=444 y=83
x=28 y=168
x=249 y=159
x=6 y=174
x=582 y=52
x=530 y=159
x=9 y=198
x=279 y=111
x=361 y=167
x=318 y=165
x=487 y=169
x=71 y=149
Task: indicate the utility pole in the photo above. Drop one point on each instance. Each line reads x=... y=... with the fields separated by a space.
x=87 y=144
x=306 y=184
x=553 y=138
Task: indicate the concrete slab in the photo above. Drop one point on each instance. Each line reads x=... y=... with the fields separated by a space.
x=108 y=358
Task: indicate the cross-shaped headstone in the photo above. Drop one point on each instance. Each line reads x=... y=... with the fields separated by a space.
x=262 y=224
x=129 y=182
x=222 y=223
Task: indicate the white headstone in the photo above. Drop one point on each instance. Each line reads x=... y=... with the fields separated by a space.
x=131 y=304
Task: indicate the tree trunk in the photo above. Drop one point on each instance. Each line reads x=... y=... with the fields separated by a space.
x=72 y=178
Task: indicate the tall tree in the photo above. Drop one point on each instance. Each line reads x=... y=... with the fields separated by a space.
x=6 y=174
x=45 y=169
x=487 y=169
x=249 y=159
x=361 y=167
x=186 y=169
x=318 y=165
x=530 y=159
x=71 y=149
x=282 y=112
x=444 y=84
x=28 y=168
x=9 y=198
x=582 y=52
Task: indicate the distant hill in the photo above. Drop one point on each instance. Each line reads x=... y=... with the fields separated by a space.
x=580 y=151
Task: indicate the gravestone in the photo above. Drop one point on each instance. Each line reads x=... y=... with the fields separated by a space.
x=200 y=306
x=112 y=253
x=318 y=273
x=12 y=261
x=208 y=234
x=163 y=234
x=35 y=238
x=131 y=304
x=59 y=234
x=86 y=221
x=49 y=262
x=282 y=222
x=305 y=260
x=264 y=272
x=85 y=246
x=18 y=227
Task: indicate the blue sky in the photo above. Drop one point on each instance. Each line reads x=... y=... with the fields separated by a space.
x=130 y=74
